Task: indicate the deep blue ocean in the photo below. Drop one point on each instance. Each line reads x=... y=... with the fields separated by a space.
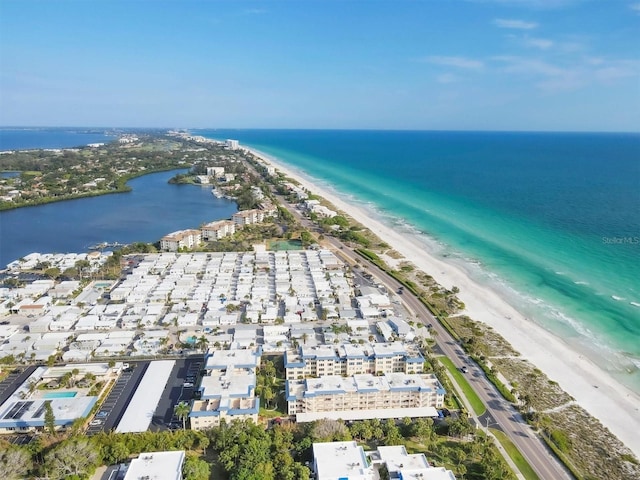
x=549 y=220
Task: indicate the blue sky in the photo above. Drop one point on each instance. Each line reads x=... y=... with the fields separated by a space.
x=432 y=64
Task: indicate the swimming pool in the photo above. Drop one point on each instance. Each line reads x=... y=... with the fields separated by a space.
x=60 y=394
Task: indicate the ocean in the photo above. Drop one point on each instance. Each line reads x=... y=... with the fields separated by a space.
x=29 y=138
x=551 y=221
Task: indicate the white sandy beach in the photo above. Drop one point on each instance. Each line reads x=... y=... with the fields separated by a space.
x=617 y=407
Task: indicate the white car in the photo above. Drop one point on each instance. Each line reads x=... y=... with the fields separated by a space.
x=95 y=422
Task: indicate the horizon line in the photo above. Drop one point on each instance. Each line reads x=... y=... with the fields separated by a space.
x=42 y=127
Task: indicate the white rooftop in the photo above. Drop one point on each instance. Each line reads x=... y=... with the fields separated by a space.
x=336 y=460
x=156 y=466
x=138 y=415
x=227 y=385
x=238 y=358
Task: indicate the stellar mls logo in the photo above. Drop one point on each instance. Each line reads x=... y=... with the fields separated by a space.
x=621 y=240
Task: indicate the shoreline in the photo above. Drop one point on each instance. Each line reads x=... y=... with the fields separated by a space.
x=613 y=404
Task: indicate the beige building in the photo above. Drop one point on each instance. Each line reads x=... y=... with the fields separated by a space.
x=180 y=239
x=248 y=217
x=349 y=359
x=392 y=395
x=217 y=230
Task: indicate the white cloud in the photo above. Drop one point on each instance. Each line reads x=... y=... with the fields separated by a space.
x=515 y=24
x=553 y=78
x=635 y=7
x=611 y=71
x=548 y=77
x=541 y=43
x=458 y=62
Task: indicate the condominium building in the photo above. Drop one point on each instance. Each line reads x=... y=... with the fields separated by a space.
x=156 y=465
x=406 y=466
x=349 y=359
x=337 y=460
x=361 y=396
x=180 y=239
x=217 y=230
x=248 y=217
x=228 y=388
x=348 y=460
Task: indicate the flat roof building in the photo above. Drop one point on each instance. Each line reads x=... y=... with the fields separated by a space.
x=363 y=396
x=156 y=466
x=350 y=359
x=341 y=460
x=228 y=389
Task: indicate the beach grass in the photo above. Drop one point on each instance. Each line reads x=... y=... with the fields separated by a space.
x=513 y=452
x=471 y=396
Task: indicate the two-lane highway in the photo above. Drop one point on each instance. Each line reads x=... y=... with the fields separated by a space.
x=502 y=414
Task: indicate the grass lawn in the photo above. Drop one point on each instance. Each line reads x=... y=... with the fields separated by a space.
x=467 y=391
x=516 y=456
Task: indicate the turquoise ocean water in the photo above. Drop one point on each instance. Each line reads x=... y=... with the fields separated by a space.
x=551 y=221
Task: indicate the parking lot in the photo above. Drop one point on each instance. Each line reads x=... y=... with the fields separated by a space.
x=116 y=403
x=15 y=378
x=185 y=371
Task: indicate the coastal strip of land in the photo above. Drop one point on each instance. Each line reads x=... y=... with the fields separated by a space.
x=617 y=407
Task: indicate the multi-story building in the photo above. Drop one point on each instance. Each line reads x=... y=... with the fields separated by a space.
x=335 y=460
x=361 y=396
x=149 y=465
x=348 y=460
x=180 y=239
x=228 y=388
x=349 y=359
x=248 y=217
x=217 y=230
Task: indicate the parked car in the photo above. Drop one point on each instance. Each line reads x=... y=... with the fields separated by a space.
x=95 y=422
x=102 y=414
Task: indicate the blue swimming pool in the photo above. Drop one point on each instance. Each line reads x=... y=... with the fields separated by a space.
x=60 y=394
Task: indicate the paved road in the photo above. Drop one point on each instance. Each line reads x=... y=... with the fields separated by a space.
x=175 y=391
x=500 y=413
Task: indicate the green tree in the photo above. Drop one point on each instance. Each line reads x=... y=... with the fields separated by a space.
x=77 y=457
x=14 y=463
x=115 y=452
x=195 y=469
x=182 y=412
x=267 y=395
x=49 y=418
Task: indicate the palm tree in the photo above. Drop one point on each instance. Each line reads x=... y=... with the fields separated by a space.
x=182 y=412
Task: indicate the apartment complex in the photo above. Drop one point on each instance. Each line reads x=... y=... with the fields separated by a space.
x=181 y=239
x=349 y=359
x=156 y=465
x=361 y=396
x=348 y=460
x=217 y=230
x=228 y=388
x=253 y=216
